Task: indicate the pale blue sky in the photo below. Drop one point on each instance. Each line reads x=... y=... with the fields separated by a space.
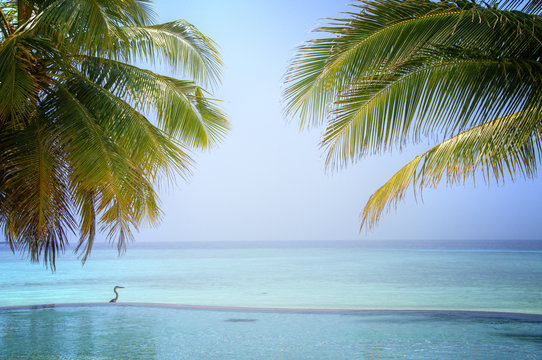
x=267 y=181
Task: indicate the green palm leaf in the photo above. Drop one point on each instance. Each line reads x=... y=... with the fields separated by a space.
x=128 y=36
x=177 y=44
x=387 y=34
x=180 y=106
x=35 y=193
x=509 y=146
x=76 y=151
x=397 y=71
x=443 y=97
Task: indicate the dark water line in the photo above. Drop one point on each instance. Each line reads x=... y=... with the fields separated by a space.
x=471 y=313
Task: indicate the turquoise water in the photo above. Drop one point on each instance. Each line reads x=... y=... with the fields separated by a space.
x=490 y=276
x=127 y=332
x=439 y=276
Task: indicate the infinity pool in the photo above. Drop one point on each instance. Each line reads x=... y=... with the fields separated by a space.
x=161 y=332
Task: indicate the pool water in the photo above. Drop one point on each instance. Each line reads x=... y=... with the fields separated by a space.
x=160 y=332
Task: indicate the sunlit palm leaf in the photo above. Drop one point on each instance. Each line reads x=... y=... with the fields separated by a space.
x=117 y=139
x=88 y=25
x=509 y=146
x=76 y=151
x=177 y=103
x=399 y=70
x=35 y=185
x=178 y=44
x=18 y=87
x=443 y=97
x=386 y=34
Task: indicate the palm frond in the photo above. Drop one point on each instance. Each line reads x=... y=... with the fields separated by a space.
x=85 y=202
x=6 y=27
x=87 y=25
x=529 y=6
x=76 y=151
x=112 y=170
x=307 y=94
x=321 y=67
x=181 y=108
x=424 y=98
x=386 y=34
x=18 y=87
x=177 y=44
x=395 y=71
x=122 y=30
x=510 y=146
x=36 y=196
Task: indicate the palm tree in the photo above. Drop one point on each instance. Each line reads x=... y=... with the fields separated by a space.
x=463 y=73
x=78 y=148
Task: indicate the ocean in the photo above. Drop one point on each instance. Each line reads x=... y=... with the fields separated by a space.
x=500 y=276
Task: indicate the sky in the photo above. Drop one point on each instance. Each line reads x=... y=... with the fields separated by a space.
x=267 y=180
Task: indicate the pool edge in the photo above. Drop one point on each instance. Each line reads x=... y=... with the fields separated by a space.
x=503 y=314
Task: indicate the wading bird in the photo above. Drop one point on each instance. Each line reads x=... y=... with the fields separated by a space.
x=116 y=294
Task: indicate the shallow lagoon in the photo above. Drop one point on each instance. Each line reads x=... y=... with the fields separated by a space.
x=129 y=332
x=494 y=276
x=489 y=276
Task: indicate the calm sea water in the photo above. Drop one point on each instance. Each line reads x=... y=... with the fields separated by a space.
x=503 y=276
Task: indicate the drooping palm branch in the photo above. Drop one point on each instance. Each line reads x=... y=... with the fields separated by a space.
x=77 y=152
x=397 y=71
x=509 y=146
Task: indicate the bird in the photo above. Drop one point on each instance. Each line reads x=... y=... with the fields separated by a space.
x=116 y=294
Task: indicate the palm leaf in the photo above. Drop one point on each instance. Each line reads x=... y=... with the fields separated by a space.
x=180 y=106
x=112 y=168
x=128 y=36
x=17 y=87
x=395 y=71
x=508 y=146
x=321 y=66
x=425 y=98
x=36 y=201
x=177 y=44
x=76 y=150
x=386 y=34
x=63 y=20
